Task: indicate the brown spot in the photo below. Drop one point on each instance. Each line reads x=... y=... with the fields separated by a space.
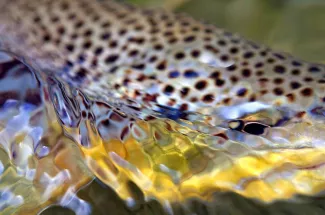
x=208 y=98
x=301 y=114
x=291 y=97
x=295 y=72
x=234 y=79
x=224 y=58
x=195 y=53
x=158 y=47
x=183 y=107
x=308 y=79
x=194 y=99
x=278 y=91
x=162 y=65
x=306 y=92
x=259 y=73
x=226 y=101
x=278 y=81
x=246 y=73
x=215 y=74
x=184 y=91
x=200 y=85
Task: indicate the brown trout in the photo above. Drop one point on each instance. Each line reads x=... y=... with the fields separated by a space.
x=183 y=109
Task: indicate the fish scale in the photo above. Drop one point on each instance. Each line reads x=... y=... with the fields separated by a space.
x=178 y=106
x=139 y=49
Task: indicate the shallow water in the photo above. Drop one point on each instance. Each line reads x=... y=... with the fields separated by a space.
x=57 y=141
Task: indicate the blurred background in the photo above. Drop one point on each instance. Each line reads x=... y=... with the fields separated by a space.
x=295 y=26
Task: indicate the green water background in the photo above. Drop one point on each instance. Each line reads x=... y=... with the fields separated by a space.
x=294 y=26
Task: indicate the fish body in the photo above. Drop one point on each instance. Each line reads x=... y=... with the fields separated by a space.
x=204 y=109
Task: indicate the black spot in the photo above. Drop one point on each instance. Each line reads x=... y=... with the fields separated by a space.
x=61 y=30
x=87 y=44
x=278 y=80
x=133 y=53
x=208 y=98
x=215 y=74
x=295 y=72
x=314 y=69
x=69 y=47
x=37 y=19
x=152 y=59
x=248 y=55
x=222 y=43
x=88 y=33
x=105 y=36
x=195 y=53
x=200 y=85
x=279 y=69
x=179 y=55
x=246 y=73
x=98 y=50
x=111 y=58
x=220 y=82
x=296 y=63
x=232 y=67
x=241 y=92
x=161 y=66
x=308 y=79
x=106 y=24
x=278 y=91
x=138 y=66
x=224 y=58
x=158 y=47
x=46 y=38
x=113 y=44
x=279 y=56
x=79 y=24
x=295 y=85
x=81 y=74
x=169 y=89
x=258 y=65
x=306 y=92
x=234 y=50
x=189 y=39
x=184 y=92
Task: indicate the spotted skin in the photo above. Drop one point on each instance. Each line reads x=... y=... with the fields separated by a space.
x=164 y=58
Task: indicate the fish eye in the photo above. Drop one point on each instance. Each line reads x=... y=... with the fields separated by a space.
x=254 y=128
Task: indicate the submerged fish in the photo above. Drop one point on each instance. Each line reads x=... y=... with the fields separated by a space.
x=177 y=106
